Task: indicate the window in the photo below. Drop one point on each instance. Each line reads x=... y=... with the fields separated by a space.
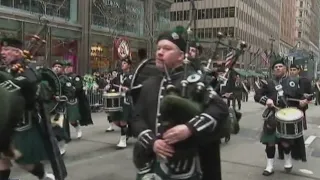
x=216 y=13
x=173 y=16
x=231 y=31
x=223 y=10
x=232 y=11
x=208 y=32
x=301 y=3
x=201 y=14
x=300 y=13
x=208 y=14
x=179 y=15
x=186 y=15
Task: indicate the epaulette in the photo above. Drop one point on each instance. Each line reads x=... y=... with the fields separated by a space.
x=264 y=82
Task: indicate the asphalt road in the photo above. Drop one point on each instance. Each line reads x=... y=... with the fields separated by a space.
x=95 y=157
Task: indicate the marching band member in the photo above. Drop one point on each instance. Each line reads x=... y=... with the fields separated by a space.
x=30 y=137
x=270 y=95
x=298 y=153
x=195 y=50
x=78 y=109
x=59 y=114
x=236 y=93
x=305 y=85
x=165 y=163
x=121 y=84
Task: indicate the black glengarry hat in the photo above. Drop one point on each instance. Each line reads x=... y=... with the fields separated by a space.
x=13 y=42
x=196 y=45
x=177 y=37
x=279 y=61
x=295 y=66
x=59 y=62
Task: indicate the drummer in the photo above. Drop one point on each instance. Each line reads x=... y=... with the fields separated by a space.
x=269 y=96
x=121 y=84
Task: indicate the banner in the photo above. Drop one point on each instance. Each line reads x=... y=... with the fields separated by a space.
x=121 y=48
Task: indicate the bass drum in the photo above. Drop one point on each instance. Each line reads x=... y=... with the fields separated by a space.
x=52 y=81
x=145 y=70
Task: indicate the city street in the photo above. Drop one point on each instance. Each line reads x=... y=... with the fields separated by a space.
x=95 y=157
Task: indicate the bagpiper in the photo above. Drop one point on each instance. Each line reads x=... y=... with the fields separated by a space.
x=78 y=108
x=33 y=137
x=59 y=114
x=163 y=149
x=277 y=93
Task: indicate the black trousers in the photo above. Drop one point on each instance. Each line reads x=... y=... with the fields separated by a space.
x=245 y=97
x=210 y=161
x=234 y=100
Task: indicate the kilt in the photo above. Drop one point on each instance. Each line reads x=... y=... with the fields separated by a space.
x=72 y=112
x=157 y=173
x=31 y=146
x=124 y=115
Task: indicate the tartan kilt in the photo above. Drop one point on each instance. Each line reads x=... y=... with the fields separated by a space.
x=73 y=113
x=31 y=146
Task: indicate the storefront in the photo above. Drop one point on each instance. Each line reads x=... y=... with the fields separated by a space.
x=69 y=35
x=102 y=53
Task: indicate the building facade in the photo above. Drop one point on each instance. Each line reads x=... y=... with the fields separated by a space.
x=307 y=34
x=82 y=31
x=255 y=22
x=287 y=27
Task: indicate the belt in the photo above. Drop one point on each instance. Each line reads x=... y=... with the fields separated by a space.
x=72 y=101
x=25 y=123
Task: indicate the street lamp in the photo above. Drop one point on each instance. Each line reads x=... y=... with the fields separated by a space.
x=271 y=52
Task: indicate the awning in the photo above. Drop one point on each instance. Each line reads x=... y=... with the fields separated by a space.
x=241 y=72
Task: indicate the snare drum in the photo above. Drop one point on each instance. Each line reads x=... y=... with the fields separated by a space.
x=113 y=102
x=289 y=123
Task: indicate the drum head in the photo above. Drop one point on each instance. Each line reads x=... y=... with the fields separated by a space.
x=289 y=114
x=112 y=95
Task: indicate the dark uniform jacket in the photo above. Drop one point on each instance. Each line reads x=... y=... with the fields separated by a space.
x=291 y=87
x=123 y=79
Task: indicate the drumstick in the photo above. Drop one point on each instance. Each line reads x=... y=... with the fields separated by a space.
x=277 y=108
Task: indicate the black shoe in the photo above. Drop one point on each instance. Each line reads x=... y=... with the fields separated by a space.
x=109 y=130
x=267 y=173
x=288 y=170
x=227 y=138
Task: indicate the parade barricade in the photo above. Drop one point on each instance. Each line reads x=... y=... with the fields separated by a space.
x=95 y=98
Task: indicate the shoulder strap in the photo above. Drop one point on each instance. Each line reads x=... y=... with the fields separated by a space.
x=280 y=93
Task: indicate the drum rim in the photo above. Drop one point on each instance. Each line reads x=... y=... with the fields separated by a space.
x=114 y=95
x=291 y=121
